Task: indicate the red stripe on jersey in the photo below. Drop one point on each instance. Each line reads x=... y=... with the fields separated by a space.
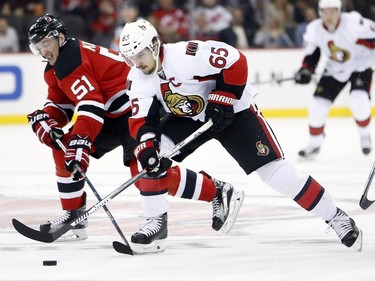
x=363 y=123
x=267 y=131
x=135 y=124
x=73 y=203
x=237 y=73
x=205 y=78
x=310 y=194
x=316 y=131
x=369 y=43
x=86 y=126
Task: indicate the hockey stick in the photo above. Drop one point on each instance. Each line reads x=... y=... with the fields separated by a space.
x=364 y=203
x=274 y=80
x=126 y=246
x=49 y=237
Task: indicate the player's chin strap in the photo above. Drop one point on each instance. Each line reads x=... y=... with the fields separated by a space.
x=125 y=248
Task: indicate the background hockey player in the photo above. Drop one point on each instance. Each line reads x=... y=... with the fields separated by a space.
x=347 y=40
x=90 y=80
x=197 y=80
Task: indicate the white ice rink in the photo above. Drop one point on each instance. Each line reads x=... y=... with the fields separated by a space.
x=273 y=239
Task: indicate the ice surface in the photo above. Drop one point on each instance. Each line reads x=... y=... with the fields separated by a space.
x=273 y=238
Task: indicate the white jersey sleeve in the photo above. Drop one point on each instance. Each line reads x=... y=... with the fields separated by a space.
x=348 y=48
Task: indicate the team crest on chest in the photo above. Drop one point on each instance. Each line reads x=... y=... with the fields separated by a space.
x=263 y=150
x=181 y=105
x=338 y=54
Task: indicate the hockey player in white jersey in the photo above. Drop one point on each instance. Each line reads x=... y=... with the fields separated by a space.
x=196 y=81
x=347 y=40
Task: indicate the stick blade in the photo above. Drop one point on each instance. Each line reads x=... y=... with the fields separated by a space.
x=122 y=248
x=32 y=233
x=365 y=203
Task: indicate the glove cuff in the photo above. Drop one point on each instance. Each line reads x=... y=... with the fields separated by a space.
x=142 y=147
x=77 y=141
x=221 y=97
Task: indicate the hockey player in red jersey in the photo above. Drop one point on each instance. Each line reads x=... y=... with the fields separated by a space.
x=90 y=80
x=347 y=41
x=195 y=81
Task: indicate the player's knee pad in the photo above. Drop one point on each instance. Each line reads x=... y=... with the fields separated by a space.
x=318 y=111
x=360 y=106
x=283 y=177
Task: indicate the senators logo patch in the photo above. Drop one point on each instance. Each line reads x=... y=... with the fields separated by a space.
x=263 y=150
x=338 y=54
x=181 y=105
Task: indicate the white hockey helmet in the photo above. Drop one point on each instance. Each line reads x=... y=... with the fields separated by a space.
x=330 y=4
x=135 y=36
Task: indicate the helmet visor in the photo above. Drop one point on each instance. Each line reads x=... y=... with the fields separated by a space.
x=35 y=47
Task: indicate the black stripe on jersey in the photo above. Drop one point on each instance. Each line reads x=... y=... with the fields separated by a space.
x=70 y=187
x=69 y=59
x=68 y=111
x=118 y=103
x=92 y=109
x=152 y=193
x=191 y=180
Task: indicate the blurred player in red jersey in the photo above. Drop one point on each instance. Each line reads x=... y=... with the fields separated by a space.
x=90 y=80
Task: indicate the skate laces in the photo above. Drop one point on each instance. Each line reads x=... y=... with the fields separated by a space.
x=60 y=220
x=217 y=202
x=151 y=225
x=341 y=223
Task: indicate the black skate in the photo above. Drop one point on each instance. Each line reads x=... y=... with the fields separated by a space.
x=151 y=237
x=225 y=206
x=79 y=231
x=309 y=152
x=346 y=230
x=366 y=144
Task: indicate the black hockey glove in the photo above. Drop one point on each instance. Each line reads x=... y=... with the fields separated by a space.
x=46 y=129
x=147 y=153
x=220 y=110
x=77 y=153
x=303 y=76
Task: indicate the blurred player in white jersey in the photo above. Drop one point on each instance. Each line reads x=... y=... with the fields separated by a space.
x=347 y=40
x=196 y=81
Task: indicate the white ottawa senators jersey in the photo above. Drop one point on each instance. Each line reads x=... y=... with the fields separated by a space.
x=189 y=73
x=349 y=48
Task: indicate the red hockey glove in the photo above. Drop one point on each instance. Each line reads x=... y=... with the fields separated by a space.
x=147 y=153
x=303 y=76
x=77 y=153
x=44 y=127
x=220 y=109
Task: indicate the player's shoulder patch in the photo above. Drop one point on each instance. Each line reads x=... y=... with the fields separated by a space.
x=191 y=48
x=69 y=59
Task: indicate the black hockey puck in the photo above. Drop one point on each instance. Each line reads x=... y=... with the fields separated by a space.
x=49 y=263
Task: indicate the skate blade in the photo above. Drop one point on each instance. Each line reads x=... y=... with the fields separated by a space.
x=156 y=247
x=235 y=206
x=73 y=235
x=308 y=158
x=357 y=246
